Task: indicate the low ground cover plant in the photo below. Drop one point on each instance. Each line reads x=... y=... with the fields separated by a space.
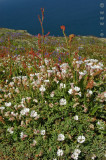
x=52 y=102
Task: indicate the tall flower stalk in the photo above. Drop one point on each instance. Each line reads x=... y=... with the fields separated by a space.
x=68 y=43
x=42 y=46
x=41 y=22
x=63 y=28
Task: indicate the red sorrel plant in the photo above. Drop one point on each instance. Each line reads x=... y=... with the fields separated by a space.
x=70 y=55
x=10 y=56
x=39 y=41
x=63 y=28
x=33 y=56
x=68 y=42
x=41 y=45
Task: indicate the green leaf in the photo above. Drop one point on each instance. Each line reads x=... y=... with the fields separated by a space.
x=94 y=110
x=15 y=137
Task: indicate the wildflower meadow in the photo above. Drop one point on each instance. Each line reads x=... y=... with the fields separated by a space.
x=52 y=96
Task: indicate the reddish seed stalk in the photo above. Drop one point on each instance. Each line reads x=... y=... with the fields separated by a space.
x=42 y=46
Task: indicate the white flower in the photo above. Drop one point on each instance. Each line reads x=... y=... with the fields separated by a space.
x=93 y=60
x=76 y=88
x=32 y=75
x=24 y=77
x=47 y=80
x=24 y=111
x=85 y=71
x=79 y=94
x=57 y=82
x=100 y=125
x=89 y=64
x=7 y=104
x=53 y=68
x=28 y=98
x=81 y=139
x=105 y=154
x=11 y=84
x=34 y=142
x=105 y=94
x=37 y=74
x=35 y=100
x=64 y=65
x=61 y=137
x=62 y=85
x=59 y=152
x=96 y=67
x=50 y=71
x=70 y=91
x=23 y=100
x=22 y=135
x=63 y=71
x=79 y=62
x=74 y=156
x=52 y=94
x=33 y=114
x=63 y=101
x=82 y=73
x=42 y=132
x=14 y=114
x=77 y=151
x=76 y=117
x=46 y=61
x=54 y=159
x=100 y=64
x=17 y=90
x=10 y=130
x=89 y=91
x=2 y=108
x=42 y=88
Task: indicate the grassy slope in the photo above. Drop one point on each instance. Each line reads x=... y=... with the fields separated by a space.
x=20 y=41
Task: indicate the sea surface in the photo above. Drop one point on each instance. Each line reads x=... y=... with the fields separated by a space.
x=80 y=17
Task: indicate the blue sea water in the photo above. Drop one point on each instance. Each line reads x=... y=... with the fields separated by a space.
x=80 y=17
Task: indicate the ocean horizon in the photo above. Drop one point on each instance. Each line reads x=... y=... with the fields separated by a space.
x=80 y=17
